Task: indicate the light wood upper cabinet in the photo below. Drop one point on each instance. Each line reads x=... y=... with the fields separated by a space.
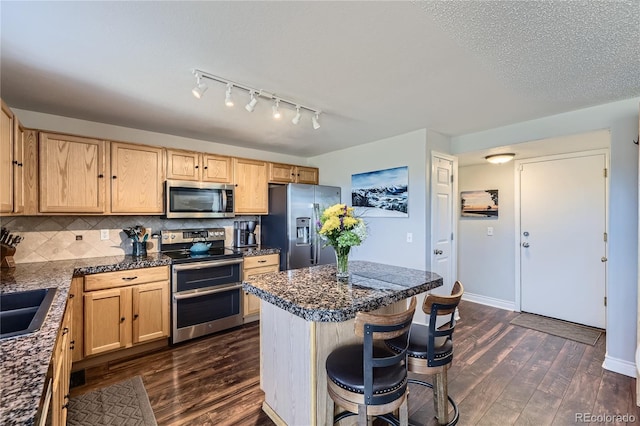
x=252 y=188
x=289 y=173
x=6 y=159
x=18 y=166
x=198 y=166
x=137 y=179
x=30 y=172
x=72 y=171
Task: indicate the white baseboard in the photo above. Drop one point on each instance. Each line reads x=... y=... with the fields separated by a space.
x=489 y=301
x=618 y=365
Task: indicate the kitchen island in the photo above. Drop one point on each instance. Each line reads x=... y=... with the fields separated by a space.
x=308 y=314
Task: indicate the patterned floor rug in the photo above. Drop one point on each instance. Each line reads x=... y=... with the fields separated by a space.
x=121 y=404
x=568 y=330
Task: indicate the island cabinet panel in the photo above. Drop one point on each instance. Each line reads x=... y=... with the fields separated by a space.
x=72 y=171
x=137 y=179
x=251 y=186
x=6 y=159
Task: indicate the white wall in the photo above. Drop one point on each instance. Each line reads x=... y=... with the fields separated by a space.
x=622 y=120
x=55 y=123
x=486 y=263
x=387 y=241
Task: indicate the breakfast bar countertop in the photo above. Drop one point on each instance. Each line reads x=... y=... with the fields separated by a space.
x=24 y=360
x=314 y=294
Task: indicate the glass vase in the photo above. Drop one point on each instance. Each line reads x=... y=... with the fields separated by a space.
x=342 y=262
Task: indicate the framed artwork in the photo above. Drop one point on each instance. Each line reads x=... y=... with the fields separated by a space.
x=479 y=203
x=382 y=193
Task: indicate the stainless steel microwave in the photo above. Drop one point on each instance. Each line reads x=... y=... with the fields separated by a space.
x=187 y=199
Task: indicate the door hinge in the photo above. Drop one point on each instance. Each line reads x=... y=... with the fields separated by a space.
x=452 y=236
x=451 y=178
x=605 y=172
x=605 y=301
x=605 y=237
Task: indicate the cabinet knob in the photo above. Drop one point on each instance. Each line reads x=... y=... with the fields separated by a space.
x=65 y=406
x=122 y=319
x=65 y=330
x=196 y=167
x=15 y=162
x=206 y=167
x=19 y=164
x=136 y=316
x=71 y=296
x=100 y=176
x=114 y=177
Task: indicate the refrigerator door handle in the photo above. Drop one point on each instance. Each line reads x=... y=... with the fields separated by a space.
x=315 y=240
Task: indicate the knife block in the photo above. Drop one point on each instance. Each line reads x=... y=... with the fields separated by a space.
x=6 y=254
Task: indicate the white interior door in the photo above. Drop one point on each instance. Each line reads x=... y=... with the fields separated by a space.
x=563 y=237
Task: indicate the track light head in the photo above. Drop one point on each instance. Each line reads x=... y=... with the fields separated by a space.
x=296 y=119
x=227 y=99
x=199 y=88
x=252 y=103
x=315 y=122
x=276 y=110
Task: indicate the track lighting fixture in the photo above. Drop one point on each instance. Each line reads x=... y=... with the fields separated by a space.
x=276 y=110
x=252 y=103
x=296 y=118
x=500 y=158
x=254 y=94
x=200 y=87
x=227 y=99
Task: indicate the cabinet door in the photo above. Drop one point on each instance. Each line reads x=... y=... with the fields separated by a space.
x=217 y=168
x=71 y=174
x=18 y=167
x=6 y=160
x=77 y=320
x=256 y=265
x=30 y=173
x=281 y=173
x=107 y=320
x=137 y=178
x=183 y=165
x=307 y=175
x=150 y=311
x=251 y=193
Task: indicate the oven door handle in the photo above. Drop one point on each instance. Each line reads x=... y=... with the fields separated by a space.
x=200 y=265
x=196 y=293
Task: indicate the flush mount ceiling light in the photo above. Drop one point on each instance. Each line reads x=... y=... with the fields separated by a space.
x=200 y=87
x=254 y=94
x=500 y=158
x=227 y=98
x=296 y=118
x=252 y=103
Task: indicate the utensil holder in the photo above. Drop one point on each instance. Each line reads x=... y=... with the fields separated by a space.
x=139 y=249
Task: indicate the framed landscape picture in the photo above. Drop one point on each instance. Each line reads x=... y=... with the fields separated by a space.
x=381 y=193
x=479 y=203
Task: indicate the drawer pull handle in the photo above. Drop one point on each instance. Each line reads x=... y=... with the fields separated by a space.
x=129 y=278
x=262 y=261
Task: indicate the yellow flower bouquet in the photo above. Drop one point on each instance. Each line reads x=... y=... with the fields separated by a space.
x=339 y=228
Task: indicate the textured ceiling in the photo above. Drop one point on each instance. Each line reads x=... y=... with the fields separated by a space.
x=376 y=69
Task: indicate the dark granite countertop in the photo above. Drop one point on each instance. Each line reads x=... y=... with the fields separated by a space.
x=257 y=251
x=314 y=293
x=24 y=360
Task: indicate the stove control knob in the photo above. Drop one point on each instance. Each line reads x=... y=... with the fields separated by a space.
x=165 y=237
x=173 y=237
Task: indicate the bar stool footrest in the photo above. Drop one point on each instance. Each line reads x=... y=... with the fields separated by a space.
x=456 y=412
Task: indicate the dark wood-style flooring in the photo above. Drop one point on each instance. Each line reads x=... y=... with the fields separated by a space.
x=502 y=375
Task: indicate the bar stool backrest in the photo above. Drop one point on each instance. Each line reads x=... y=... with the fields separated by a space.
x=436 y=305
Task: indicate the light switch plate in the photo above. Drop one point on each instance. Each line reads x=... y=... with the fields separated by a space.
x=409 y=237
x=104 y=234
x=490 y=231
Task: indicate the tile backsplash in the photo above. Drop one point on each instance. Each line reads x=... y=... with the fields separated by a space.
x=47 y=238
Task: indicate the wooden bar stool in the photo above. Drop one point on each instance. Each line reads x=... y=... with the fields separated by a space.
x=431 y=350
x=369 y=379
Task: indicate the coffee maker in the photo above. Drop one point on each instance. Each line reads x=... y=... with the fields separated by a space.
x=244 y=233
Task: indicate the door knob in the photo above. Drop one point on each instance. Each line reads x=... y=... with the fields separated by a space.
x=436 y=251
x=525 y=245
x=603 y=259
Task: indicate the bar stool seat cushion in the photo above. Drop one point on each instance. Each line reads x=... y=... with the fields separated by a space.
x=418 y=344
x=345 y=368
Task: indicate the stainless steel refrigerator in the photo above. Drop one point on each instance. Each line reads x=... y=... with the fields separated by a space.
x=294 y=210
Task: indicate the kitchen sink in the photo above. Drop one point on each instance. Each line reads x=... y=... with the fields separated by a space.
x=24 y=312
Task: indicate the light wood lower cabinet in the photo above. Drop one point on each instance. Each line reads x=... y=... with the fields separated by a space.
x=125 y=308
x=61 y=365
x=255 y=265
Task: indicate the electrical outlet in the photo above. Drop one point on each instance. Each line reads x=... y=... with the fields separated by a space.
x=409 y=237
x=104 y=234
x=78 y=237
x=490 y=231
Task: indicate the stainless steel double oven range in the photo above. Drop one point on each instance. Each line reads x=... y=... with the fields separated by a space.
x=206 y=286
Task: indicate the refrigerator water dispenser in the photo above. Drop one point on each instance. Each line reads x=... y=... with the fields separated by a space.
x=303 y=230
